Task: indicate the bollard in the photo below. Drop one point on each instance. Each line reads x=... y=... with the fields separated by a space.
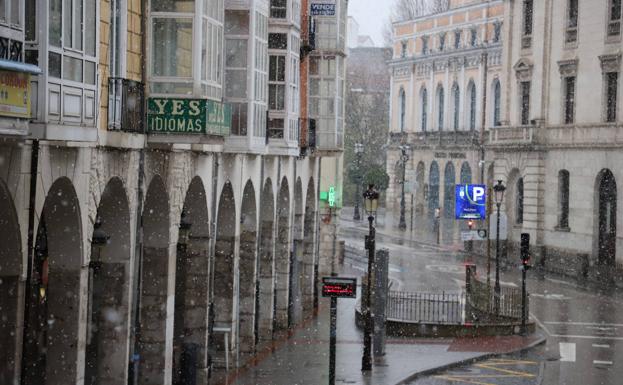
x=381 y=282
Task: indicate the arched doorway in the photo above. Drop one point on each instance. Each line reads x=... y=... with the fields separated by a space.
x=109 y=285
x=449 y=190
x=433 y=191
x=191 y=283
x=420 y=189
x=308 y=276
x=247 y=272
x=295 y=305
x=282 y=257
x=10 y=271
x=152 y=334
x=224 y=269
x=265 y=304
x=607 y=218
x=52 y=340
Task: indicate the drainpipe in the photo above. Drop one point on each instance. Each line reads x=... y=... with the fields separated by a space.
x=138 y=248
x=211 y=263
x=32 y=201
x=317 y=236
x=258 y=250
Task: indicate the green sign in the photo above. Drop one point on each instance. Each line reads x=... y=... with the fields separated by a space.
x=331 y=196
x=188 y=116
x=324 y=196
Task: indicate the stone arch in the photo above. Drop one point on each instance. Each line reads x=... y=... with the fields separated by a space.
x=10 y=272
x=295 y=295
x=108 y=289
x=282 y=257
x=433 y=189
x=605 y=218
x=224 y=267
x=153 y=343
x=248 y=286
x=192 y=281
x=53 y=336
x=449 y=187
x=264 y=307
x=466 y=173
x=308 y=274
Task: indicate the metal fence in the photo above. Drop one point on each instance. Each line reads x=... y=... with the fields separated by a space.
x=482 y=298
x=441 y=308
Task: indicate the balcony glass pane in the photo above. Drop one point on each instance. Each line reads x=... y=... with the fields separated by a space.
x=174 y=5
x=172 y=47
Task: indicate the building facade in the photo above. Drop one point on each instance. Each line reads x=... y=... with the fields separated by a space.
x=551 y=130
x=152 y=205
x=444 y=69
x=559 y=146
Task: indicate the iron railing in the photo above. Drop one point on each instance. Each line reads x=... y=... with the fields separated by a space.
x=126 y=100
x=440 y=308
x=482 y=298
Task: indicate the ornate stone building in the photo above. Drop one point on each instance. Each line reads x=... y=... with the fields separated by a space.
x=446 y=86
x=560 y=147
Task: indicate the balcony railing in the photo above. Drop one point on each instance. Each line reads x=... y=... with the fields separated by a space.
x=443 y=138
x=514 y=135
x=585 y=135
x=126 y=100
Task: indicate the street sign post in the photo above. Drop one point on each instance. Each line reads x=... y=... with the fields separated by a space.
x=474 y=235
x=471 y=201
x=336 y=287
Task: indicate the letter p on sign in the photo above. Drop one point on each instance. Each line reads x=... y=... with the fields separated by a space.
x=479 y=193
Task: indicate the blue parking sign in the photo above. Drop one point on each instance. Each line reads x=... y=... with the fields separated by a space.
x=471 y=201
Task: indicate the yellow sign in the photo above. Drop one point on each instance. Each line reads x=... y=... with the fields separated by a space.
x=14 y=94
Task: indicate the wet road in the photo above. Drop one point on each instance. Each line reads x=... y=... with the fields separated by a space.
x=583 y=324
x=525 y=369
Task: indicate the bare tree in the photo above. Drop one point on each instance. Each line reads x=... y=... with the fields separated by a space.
x=410 y=9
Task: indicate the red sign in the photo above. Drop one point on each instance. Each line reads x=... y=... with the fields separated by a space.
x=339 y=287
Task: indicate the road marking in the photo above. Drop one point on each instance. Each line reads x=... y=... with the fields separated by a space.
x=596 y=362
x=582 y=323
x=567 y=351
x=586 y=337
x=601 y=346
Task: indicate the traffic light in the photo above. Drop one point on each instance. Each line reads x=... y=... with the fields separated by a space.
x=525 y=250
x=470 y=224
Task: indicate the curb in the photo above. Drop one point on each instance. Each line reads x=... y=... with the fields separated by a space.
x=483 y=357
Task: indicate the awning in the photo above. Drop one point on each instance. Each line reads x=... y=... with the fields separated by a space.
x=19 y=67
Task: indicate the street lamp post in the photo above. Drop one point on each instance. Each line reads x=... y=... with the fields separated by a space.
x=499 y=197
x=358 y=153
x=404 y=157
x=371 y=199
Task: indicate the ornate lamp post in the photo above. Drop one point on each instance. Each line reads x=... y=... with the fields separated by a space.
x=358 y=153
x=499 y=197
x=371 y=200
x=404 y=157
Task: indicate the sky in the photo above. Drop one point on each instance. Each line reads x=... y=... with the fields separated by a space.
x=371 y=15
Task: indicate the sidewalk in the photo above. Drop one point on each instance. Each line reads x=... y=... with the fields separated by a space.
x=303 y=359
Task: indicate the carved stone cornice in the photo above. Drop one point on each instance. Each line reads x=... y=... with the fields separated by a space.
x=610 y=63
x=523 y=70
x=568 y=67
